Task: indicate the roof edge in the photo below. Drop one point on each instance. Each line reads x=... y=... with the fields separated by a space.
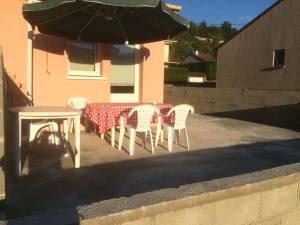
x=252 y=22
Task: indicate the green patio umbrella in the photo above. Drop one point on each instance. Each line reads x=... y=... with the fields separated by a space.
x=106 y=21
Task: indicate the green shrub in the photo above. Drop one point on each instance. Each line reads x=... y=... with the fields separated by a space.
x=176 y=75
x=194 y=67
x=209 y=68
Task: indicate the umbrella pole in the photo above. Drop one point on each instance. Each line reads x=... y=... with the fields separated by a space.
x=29 y=60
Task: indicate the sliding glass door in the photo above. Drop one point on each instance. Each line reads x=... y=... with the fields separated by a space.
x=124 y=74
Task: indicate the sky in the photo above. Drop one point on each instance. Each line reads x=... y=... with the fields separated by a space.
x=238 y=12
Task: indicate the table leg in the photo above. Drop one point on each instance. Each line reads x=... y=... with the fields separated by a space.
x=113 y=132
x=66 y=138
x=102 y=136
x=86 y=125
x=18 y=147
x=77 y=141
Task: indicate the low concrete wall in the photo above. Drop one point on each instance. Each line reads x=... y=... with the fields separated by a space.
x=272 y=202
x=274 y=107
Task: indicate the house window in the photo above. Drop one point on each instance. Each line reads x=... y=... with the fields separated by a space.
x=83 y=60
x=279 y=58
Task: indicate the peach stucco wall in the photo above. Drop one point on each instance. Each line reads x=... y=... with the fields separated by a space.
x=153 y=73
x=13 y=40
x=50 y=83
x=50 y=64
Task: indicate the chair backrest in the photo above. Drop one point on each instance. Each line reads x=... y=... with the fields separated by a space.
x=181 y=112
x=77 y=102
x=144 y=116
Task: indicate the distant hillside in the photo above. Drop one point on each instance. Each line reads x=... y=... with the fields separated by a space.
x=200 y=37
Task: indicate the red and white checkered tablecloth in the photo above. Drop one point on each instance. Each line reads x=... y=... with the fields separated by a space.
x=107 y=115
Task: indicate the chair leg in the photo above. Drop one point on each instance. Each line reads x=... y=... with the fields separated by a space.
x=31 y=132
x=158 y=133
x=170 y=138
x=132 y=141
x=86 y=125
x=151 y=141
x=56 y=134
x=162 y=135
x=66 y=138
x=52 y=133
x=177 y=132
x=187 y=139
x=121 y=137
x=144 y=139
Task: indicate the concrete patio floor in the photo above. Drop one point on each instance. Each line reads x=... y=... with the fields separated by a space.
x=224 y=153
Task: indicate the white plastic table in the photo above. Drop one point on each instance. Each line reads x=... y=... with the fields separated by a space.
x=44 y=112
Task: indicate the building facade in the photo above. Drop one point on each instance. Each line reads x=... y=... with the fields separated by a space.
x=62 y=68
x=265 y=54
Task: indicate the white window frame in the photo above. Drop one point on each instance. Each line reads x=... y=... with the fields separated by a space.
x=79 y=74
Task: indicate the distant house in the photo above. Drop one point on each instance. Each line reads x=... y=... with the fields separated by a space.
x=167 y=52
x=199 y=57
x=167 y=61
x=199 y=73
x=265 y=54
x=208 y=39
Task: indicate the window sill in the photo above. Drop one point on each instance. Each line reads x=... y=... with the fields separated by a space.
x=274 y=68
x=279 y=67
x=83 y=77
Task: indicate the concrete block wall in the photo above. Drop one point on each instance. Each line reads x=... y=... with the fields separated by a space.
x=275 y=107
x=271 y=202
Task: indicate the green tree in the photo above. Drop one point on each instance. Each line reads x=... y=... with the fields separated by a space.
x=202 y=28
x=193 y=29
x=227 y=30
x=189 y=41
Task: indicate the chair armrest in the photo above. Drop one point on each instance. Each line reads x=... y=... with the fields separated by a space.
x=169 y=113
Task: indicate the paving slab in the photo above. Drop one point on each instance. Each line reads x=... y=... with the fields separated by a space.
x=224 y=153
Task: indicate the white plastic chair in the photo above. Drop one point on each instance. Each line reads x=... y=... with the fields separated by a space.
x=35 y=127
x=77 y=103
x=144 y=117
x=181 y=113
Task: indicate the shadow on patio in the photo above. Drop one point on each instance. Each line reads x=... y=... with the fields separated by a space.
x=222 y=149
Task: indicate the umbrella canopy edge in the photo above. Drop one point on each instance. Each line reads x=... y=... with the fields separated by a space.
x=175 y=16
x=44 y=5
x=124 y=21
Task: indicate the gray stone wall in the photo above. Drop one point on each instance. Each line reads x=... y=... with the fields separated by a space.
x=273 y=202
x=246 y=60
x=2 y=175
x=279 y=108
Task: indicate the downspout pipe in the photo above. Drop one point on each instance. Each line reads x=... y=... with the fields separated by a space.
x=29 y=62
